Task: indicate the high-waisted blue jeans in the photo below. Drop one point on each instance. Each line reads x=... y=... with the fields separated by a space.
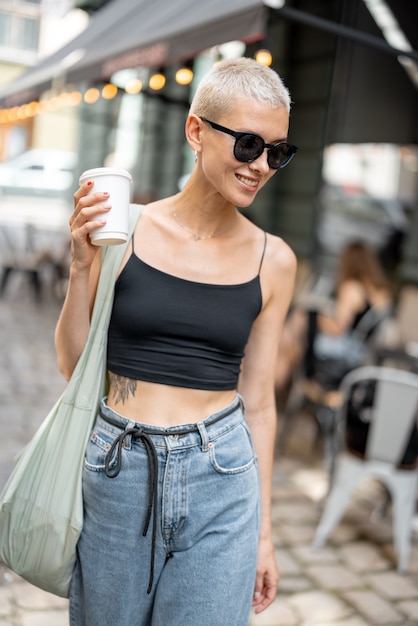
x=194 y=562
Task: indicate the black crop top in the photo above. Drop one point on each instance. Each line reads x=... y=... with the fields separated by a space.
x=168 y=330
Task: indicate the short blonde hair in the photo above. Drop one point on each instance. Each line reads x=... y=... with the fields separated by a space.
x=244 y=77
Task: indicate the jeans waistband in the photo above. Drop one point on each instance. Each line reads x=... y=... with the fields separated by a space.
x=144 y=432
x=119 y=421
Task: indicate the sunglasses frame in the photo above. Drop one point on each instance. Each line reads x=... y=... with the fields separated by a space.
x=238 y=135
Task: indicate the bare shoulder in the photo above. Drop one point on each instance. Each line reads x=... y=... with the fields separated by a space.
x=352 y=288
x=155 y=218
x=278 y=272
x=279 y=257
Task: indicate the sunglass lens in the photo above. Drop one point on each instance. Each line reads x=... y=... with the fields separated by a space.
x=248 y=148
x=280 y=155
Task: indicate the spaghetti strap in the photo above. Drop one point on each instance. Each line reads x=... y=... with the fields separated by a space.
x=132 y=239
x=264 y=250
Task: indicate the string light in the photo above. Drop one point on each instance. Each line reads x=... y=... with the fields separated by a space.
x=157 y=81
x=51 y=102
x=75 y=98
x=92 y=95
x=184 y=76
x=12 y=114
x=109 y=91
x=133 y=86
x=31 y=109
x=264 y=57
x=52 y=105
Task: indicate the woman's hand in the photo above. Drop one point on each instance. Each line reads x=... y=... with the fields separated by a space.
x=267 y=578
x=84 y=220
x=74 y=321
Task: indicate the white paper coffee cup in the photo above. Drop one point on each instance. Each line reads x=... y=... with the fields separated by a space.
x=118 y=184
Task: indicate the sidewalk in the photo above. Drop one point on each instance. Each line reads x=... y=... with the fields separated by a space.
x=351 y=582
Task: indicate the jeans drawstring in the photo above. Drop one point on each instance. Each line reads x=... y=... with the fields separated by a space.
x=138 y=433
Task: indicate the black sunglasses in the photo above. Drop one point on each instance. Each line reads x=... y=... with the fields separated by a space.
x=248 y=147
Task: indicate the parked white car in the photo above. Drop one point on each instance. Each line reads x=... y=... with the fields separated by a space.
x=46 y=173
x=36 y=190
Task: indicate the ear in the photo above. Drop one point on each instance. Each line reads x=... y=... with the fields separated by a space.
x=193 y=132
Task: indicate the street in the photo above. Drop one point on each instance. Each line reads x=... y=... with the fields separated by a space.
x=352 y=581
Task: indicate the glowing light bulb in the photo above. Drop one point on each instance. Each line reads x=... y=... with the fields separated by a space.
x=157 y=81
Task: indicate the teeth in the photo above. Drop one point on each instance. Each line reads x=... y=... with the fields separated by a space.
x=247 y=181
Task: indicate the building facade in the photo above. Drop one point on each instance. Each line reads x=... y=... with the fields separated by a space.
x=102 y=103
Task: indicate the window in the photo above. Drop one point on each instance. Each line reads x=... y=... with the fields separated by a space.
x=5 y=28
x=19 y=27
x=28 y=34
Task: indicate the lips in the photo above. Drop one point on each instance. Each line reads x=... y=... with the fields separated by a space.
x=250 y=182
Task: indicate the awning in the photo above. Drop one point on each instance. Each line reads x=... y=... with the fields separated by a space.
x=139 y=33
x=152 y=33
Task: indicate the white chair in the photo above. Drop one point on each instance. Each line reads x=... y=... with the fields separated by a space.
x=24 y=249
x=316 y=383
x=392 y=428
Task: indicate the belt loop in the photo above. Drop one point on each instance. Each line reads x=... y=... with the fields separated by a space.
x=204 y=435
x=242 y=403
x=128 y=438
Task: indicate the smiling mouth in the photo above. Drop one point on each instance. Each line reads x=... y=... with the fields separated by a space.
x=247 y=181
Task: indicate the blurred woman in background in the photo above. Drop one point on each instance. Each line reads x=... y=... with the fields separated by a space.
x=361 y=286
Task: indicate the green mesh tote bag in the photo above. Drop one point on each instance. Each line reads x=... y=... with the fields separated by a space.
x=41 y=512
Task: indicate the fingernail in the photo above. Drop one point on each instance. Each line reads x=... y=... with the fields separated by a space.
x=89 y=184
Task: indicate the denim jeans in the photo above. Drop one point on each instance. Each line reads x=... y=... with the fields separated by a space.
x=206 y=535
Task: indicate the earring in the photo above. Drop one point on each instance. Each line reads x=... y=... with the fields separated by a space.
x=195 y=156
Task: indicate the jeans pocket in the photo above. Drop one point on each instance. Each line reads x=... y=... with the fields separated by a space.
x=233 y=452
x=97 y=449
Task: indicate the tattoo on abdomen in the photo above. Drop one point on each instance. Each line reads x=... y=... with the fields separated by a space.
x=122 y=387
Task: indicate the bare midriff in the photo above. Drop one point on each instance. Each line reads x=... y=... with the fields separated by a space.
x=164 y=405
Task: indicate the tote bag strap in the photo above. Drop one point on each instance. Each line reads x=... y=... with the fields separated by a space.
x=111 y=259
x=88 y=366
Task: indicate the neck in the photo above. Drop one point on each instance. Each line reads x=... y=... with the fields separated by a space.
x=201 y=222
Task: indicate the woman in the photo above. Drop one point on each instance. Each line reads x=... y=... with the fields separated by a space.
x=360 y=286
x=199 y=302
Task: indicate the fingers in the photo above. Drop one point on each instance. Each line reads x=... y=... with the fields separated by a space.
x=88 y=212
x=263 y=600
x=87 y=202
x=83 y=190
x=265 y=588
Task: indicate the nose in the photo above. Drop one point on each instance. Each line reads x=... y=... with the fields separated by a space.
x=260 y=164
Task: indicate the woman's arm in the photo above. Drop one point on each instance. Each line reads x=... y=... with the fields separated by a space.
x=257 y=387
x=74 y=321
x=350 y=300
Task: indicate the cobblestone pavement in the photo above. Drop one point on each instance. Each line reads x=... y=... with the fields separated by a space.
x=351 y=582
